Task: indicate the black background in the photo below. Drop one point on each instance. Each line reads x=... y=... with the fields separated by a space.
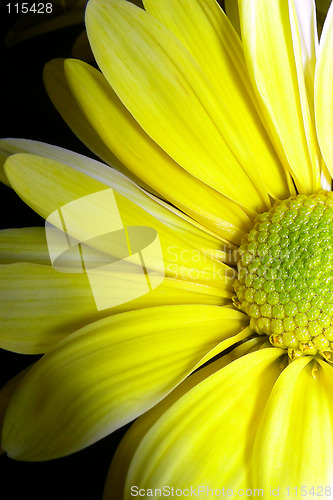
x=26 y=112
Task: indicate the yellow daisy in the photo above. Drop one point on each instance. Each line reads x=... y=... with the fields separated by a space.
x=226 y=145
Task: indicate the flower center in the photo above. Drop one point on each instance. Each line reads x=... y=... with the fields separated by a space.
x=285 y=275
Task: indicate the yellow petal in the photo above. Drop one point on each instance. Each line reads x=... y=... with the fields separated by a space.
x=183 y=245
x=107 y=374
x=116 y=478
x=271 y=40
x=219 y=54
x=323 y=91
x=24 y=245
x=61 y=96
x=205 y=438
x=135 y=51
x=40 y=306
x=112 y=178
x=122 y=134
x=308 y=35
x=57 y=89
x=293 y=445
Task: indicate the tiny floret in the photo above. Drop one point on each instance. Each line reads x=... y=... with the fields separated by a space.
x=285 y=275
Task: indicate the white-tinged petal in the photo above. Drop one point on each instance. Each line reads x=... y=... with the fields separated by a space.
x=323 y=91
x=182 y=245
x=272 y=46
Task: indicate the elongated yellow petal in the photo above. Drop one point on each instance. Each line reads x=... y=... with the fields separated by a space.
x=57 y=89
x=111 y=178
x=34 y=178
x=308 y=36
x=122 y=134
x=107 y=374
x=271 y=40
x=24 y=244
x=323 y=91
x=40 y=306
x=135 y=51
x=205 y=438
x=293 y=445
x=207 y=33
x=116 y=478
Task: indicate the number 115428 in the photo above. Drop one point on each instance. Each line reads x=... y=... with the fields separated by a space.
x=25 y=8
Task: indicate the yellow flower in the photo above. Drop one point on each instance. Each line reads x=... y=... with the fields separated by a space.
x=212 y=130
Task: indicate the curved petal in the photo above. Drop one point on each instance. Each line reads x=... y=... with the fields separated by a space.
x=205 y=438
x=112 y=178
x=323 y=91
x=40 y=306
x=183 y=245
x=142 y=156
x=135 y=51
x=206 y=32
x=272 y=46
x=107 y=374
x=116 y=478
x=58 y=91
x=293 y=445
x=308 y=34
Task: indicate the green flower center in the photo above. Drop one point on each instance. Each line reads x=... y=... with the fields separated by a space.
x=285 y=275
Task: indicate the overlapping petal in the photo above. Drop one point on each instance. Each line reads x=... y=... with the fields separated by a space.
x=205 y=31
x=211 y=429
x=116 y=479
x=134 y=51
x=143 y=157
x=273 y=51
x=34 y=177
